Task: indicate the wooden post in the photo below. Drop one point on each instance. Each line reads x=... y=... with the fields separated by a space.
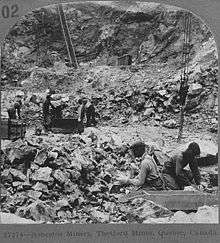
x=184 y=75
x=181 y=124
x=66 y=34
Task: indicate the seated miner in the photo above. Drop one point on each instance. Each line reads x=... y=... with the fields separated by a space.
x=47 y=112
x=149 y=177
x=90 y=113
x=82 y=109
x=14 y=111
x=174 y=174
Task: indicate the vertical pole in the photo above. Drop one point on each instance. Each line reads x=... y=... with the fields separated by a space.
x=184 y=75
x=66 y=34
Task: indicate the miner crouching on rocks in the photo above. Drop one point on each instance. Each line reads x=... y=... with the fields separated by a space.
x=173 y=171
x=149 y=177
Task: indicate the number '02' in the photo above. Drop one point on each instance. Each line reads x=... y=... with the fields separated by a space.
x=9 y=11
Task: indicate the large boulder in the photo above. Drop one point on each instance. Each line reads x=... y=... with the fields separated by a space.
x=34 y=194
x=61 y=176
x=40 y=187
x=85 y=162
x=149 y=112
x=42 y=174
x=195 y=89
x=38 y=211
x=60 y=162
x=117 y=140
x=17 y=175
x=41 y=157
x=6 y=177
x=19 y=154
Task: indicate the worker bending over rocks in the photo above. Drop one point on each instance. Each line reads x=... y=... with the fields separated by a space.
x=149 y=176
x=174 y=174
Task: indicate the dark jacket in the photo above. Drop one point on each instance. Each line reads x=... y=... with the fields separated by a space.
x=176 y=164
x=46 y=107
x=15 y=111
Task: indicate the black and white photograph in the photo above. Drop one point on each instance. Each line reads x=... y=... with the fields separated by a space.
x=109 y=115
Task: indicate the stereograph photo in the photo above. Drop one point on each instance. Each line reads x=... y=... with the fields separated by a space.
x=109 y=115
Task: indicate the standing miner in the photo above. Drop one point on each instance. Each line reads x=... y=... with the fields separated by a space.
x=46 y=112
x=81 y=110
x=90 y=113
x=14 y=112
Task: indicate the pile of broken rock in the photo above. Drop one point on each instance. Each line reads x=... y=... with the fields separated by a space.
x=72 y=180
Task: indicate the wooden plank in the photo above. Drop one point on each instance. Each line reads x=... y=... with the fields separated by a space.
x=176 y=200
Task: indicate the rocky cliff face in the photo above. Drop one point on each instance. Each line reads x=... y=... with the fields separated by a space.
x=101 y=31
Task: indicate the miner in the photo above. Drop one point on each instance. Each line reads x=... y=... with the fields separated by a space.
x=81 y=110
x=14 y=112
x=174 y=174
x=90 y=113
x=149 y=176
x=47 y=112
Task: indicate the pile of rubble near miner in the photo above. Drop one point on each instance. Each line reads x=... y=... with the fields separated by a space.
x=73 y=180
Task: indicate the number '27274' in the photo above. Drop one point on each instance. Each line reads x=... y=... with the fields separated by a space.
x=9 y=11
